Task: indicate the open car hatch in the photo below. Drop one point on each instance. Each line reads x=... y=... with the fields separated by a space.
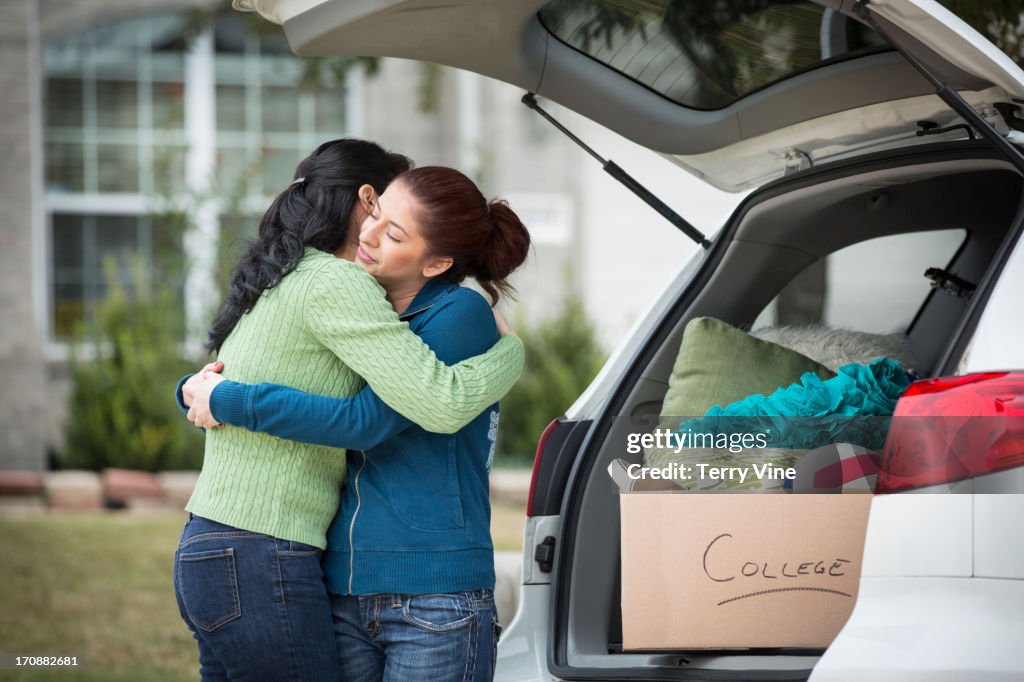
x=738 y=94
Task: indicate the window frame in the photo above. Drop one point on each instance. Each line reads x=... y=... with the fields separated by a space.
x=63 y=60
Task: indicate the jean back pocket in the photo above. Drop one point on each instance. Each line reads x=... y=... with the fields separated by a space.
x=208 y=585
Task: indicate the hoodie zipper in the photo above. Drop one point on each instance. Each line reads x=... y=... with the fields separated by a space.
x=352 y=527
x=410 y=313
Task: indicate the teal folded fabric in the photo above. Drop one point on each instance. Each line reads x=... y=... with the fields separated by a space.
x=851 y=407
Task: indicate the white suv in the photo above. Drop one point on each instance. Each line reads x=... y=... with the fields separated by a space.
x=849 y=122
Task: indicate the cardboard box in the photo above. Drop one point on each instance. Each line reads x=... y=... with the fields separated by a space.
x=737 y=571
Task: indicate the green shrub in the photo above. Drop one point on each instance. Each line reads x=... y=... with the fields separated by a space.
x=122 y=412
x=562 y=357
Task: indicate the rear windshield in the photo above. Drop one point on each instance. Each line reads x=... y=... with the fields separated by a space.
x=706 y=54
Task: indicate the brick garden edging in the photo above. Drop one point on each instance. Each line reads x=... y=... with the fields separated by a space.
x=109 y=489
x=21 y=483
x=130 y=489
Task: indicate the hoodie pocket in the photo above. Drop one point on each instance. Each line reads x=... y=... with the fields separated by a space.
x=424 y=485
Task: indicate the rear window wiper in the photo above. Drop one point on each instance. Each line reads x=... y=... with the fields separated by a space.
x=626 y=179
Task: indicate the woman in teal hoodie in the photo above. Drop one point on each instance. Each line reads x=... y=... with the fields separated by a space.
x=410 y=563
x=248 y=574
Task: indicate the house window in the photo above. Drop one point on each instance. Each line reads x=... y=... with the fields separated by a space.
x=91 y=252
x=117 y=145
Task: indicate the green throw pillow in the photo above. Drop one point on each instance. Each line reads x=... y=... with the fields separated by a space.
x=719 y=364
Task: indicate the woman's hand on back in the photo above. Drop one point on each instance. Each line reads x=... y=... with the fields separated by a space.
x=196 y=392
x=190 y=384
x=503 y=326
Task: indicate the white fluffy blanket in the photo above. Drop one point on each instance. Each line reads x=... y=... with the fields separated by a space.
x=837 y=347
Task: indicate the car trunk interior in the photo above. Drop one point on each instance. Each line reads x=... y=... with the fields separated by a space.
x=775 y=234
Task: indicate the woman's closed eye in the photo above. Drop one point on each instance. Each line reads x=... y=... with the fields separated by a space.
x=392 y=237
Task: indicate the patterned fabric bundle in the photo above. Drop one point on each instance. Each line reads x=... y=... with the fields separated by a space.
x=816 y=412
x=826 y=429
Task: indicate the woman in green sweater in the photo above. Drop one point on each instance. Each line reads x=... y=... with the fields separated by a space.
x=247 y=570
x=409 y=561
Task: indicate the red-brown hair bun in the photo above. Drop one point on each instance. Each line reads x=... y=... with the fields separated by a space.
x=486 y=241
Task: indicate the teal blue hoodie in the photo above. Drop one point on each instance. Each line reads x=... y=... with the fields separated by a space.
x=415 y=513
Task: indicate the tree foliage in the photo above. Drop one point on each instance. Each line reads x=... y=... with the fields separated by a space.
x=562 y=358
x=123 y=371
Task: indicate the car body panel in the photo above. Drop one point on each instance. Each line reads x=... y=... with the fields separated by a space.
x=953 y=40
x=594 y=396
x=927 y=534
x=998 y=531
x=276 y=11
x=534 y=531
x=502 y=40
x=523 y=646
x=936 y=629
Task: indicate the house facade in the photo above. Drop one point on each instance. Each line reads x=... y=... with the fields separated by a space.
x=118 y=111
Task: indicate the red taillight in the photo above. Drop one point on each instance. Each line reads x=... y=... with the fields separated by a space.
x=536 y=464
x=954 y=428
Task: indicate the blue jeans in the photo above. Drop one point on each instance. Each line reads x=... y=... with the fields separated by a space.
x=257 y=605
x=449 y=637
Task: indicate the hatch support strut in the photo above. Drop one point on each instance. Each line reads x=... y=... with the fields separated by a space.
x=949 y=95
x=625 y=178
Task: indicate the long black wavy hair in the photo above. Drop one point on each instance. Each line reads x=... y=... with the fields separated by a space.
x=312 y=212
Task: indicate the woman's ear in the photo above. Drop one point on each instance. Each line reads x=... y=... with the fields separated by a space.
x=435 y=266
x=367 y=197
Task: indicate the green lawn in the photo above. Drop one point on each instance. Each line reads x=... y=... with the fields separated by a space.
x=99 y=585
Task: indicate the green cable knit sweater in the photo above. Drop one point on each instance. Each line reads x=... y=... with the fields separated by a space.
x=322 y=328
